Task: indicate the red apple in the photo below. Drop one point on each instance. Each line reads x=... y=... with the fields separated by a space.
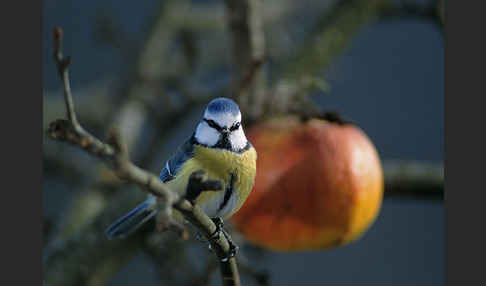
x=319 y=184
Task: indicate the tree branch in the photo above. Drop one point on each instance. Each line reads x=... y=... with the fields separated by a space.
x=62 y=64
x=413 y=180
x=431 y=11
x=342 y=21
x=246 y=25
x=115 y=154
x=332 y=36
x=134 y=100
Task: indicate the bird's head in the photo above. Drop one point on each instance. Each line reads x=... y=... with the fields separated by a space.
x=221 y=126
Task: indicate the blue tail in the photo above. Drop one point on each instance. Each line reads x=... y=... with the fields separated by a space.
x=132 y=220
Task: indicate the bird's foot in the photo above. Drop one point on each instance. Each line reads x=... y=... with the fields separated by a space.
x=216 y=234
x=233 y=248
x=232 y=251
x=219 y=229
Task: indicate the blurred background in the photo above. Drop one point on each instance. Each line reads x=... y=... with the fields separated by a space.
x=149 y=67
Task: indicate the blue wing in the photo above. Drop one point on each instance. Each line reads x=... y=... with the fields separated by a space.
x=183 y=153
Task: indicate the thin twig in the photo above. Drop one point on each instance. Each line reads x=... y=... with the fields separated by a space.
x=115 y=154
x=62 y=66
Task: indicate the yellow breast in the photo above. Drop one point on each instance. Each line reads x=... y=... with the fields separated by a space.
x=219 y=164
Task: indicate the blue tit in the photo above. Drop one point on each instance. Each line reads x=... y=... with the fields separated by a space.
x=220 y=148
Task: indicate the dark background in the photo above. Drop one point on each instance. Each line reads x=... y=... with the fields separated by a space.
x=390 y=81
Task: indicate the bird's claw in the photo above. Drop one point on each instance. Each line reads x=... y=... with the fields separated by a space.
x=233 y=248
x=216 y=234
x=219 y=229
x=232 y=251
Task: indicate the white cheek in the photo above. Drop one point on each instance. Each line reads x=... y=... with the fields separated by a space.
x=206 y=135
x=238 y=139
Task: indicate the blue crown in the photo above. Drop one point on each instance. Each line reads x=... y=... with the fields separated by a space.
x=223 y=105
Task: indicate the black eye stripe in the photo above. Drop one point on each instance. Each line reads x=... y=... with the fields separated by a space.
x=235 y=126
x=213 y=124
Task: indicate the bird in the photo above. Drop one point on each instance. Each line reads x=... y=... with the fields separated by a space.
x=219 y=147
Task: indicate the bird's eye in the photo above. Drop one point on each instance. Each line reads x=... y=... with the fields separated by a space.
x=213 y=124
x=235 y=126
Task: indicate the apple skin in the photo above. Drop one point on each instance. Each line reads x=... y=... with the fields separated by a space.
x=319 y=185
